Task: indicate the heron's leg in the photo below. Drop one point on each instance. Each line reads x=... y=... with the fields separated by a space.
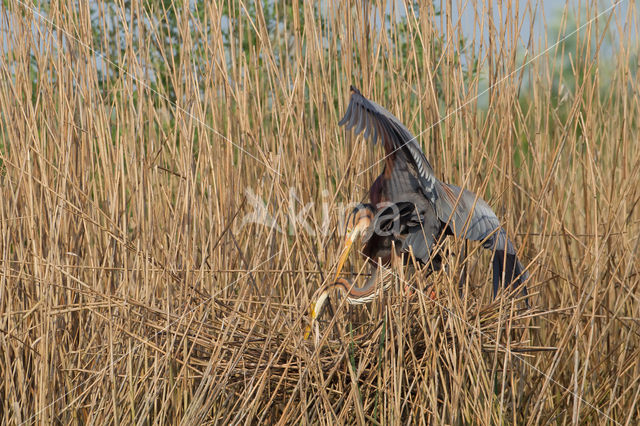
x=397 y=266
x=430 y=287
x=435 y=264
x=427 y=270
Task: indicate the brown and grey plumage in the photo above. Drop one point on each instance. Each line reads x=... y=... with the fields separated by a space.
x=411 y=209
x=438 y=207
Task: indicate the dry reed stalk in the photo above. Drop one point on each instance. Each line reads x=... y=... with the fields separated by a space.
x=135 y=139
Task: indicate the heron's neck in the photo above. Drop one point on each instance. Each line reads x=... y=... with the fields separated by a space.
x=375 y=192
x=359 y=295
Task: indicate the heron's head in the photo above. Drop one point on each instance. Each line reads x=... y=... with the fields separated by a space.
x=360 y=218
x=358 y=221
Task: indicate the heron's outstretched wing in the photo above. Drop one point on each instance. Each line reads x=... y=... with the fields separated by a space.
x=411 y=177
x=470 y=217
x=399 y=144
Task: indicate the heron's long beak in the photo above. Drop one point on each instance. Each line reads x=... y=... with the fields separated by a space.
x=346 y=250
x=316 y=306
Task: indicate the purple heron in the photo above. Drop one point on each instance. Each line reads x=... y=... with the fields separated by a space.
x=409 y=210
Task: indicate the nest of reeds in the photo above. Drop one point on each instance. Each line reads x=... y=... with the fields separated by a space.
x=423 y=347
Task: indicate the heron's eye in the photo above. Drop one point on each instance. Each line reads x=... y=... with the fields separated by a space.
x=348 y=232
x=351 y=220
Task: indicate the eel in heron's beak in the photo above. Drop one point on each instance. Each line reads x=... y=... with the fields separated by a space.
x=316 y=307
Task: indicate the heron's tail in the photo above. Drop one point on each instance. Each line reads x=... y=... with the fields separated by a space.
x=508 y=265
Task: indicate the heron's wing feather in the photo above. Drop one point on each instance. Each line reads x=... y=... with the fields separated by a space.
x=399 y=143
x=469 y=216
x=411 y=223
x=421 y=236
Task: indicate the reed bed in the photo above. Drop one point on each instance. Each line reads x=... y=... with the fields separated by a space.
x=173 y=188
